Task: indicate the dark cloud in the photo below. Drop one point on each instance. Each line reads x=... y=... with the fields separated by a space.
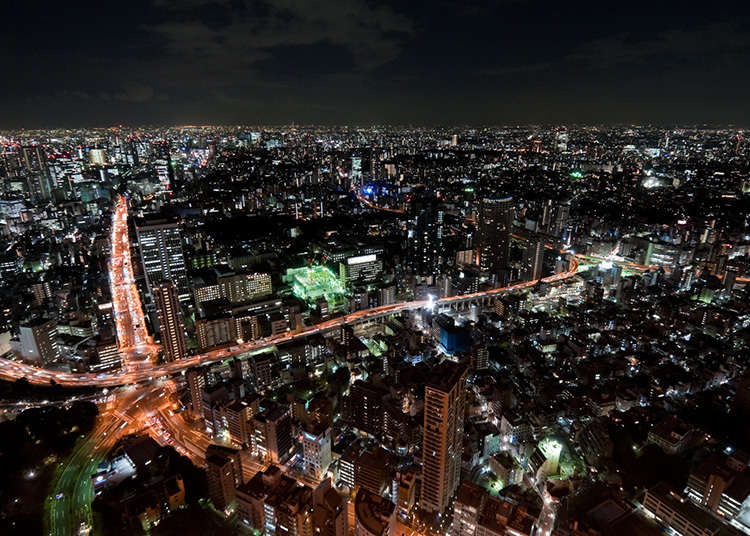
x=372 y=61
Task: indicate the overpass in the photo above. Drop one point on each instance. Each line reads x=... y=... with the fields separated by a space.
x=13 y=370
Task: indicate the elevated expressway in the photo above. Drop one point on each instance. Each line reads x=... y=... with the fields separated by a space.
x=13 y=370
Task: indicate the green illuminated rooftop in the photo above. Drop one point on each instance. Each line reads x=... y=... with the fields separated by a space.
x=310 y=283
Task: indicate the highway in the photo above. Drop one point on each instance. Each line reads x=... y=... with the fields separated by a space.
x=13 y=370
x=69 y=502
x=126 y=302
x=131 y=326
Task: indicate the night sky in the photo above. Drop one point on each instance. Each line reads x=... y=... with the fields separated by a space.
x=361 y=62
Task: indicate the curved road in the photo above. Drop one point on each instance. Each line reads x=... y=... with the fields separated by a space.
x=14 y=370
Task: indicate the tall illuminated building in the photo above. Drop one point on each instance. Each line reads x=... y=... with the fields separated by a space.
x=316 y=447
x=442 y=442
x=160 y=242
x=562 y=214
x=38 y=176
x=495 y=227
x=170 y=320
x=534 y=258
x=425 y=238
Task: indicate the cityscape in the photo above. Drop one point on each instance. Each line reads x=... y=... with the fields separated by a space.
x=356 y=309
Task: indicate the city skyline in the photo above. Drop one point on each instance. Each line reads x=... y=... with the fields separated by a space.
x=374 y=268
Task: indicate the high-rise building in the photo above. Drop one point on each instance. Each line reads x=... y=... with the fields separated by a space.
x=365 y=407
x=272 y=434
x=39 y=341
x=160 y=243
x=171 y=326
x=442 y=444
x=495 y=227
x=562 y=214
x=196 y=382
x=239 y=414
x=425 y=238
x=316 y=447
x=347 y=464
x=221 y=480
x=534 y=258
x=38 y=176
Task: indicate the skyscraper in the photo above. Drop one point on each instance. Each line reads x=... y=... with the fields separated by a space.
x=562 y=214
x=170 y=320
x=534 y=258
x=495 y=227
x=442 y=444
x=160 y=243
x=425 y=237
x=38 y=176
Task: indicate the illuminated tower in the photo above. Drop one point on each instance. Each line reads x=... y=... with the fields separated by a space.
x=442 y=443
x=495 y=227
x=170 y=321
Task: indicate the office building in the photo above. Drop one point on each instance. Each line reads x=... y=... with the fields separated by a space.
x=372 y=470
x=533 y=258
x=160 y=243
x=680 y=516
x=39 y=341
x=442 y=444
x=238 y=415
x=196 y=382
x=272 y=434
x=365 y=407
x=316 y=448
x=221 y=480
x=405 y=492
x=495 y=228
x=425 y=238
x=214 y=331
x=362 y=269
x=221 y=282
x=107 y=355
x=170 y=320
